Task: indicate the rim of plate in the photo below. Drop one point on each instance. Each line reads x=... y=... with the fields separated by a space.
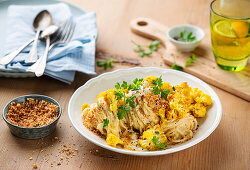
x=149 y=153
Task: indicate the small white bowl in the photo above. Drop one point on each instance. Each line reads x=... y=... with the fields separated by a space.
x=185 y=46
x=90 y=90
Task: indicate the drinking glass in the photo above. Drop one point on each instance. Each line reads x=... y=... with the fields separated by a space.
x=230 y=33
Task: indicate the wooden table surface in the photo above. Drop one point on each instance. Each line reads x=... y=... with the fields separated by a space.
x=226 y=148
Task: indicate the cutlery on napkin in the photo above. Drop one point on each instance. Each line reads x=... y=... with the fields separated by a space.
x=64 y=60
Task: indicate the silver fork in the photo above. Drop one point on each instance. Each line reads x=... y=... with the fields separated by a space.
x=62 y=37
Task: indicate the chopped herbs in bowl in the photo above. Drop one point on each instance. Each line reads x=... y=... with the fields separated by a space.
x=185 y=37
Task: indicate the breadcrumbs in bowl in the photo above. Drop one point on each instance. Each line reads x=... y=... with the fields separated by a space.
x=32 y=116
x=32 y=113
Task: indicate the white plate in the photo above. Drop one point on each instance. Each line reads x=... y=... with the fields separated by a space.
x=76 y=11
x=89 y=91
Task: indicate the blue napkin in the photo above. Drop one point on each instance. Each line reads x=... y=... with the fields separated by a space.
x=63 y=60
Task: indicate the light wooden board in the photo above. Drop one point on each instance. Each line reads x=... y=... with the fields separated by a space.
x=237 y=83
x=226 y=148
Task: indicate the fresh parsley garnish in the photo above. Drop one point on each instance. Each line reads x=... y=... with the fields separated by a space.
x=158 y=144
x=117 y=86
x=124 y=85
x=190 y=60
x=177 y=67
x=157 y=132
x=157 y=88
x=106 y=64
x=142 y=52
x=119 y=95
x=135 y=85
x=164 y=93
x=105 y=123
x=155 y=139
x=158 y=82
x=128 y=102
x=173 y=88
x=185 y=38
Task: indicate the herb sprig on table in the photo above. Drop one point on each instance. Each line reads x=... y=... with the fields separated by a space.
x=142 y=52
x=191 y=59
x=106 y=64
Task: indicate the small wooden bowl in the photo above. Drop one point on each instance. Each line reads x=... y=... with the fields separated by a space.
x=35 y=132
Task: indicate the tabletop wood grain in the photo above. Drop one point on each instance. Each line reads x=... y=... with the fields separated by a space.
x=226 y=148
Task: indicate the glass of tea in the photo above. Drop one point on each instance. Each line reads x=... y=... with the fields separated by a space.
x=230 y=33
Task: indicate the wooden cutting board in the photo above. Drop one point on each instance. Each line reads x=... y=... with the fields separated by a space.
x=237 y=83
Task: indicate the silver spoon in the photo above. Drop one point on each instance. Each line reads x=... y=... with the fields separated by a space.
x=39 y=67
x=40 y=23
x=8 y=58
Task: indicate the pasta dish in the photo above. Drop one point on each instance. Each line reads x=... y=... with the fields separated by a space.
x=146 y=115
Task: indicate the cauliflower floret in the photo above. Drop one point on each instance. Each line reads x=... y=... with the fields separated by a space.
x=199 y=110
x=150 y=80
x=166 y=86
x=110 y=97
x=153 y=138
x=204 y=99
x=85 y=106
x=200 y=97
x=113 y=140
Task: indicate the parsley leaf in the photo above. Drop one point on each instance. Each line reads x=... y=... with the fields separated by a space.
x=173 y=88
x=121 y=114
x=177 y=67
x=136 y=84
x=190 y=38
x=159 y=145
x=164 y=93
x=154 y=82
x=131 y=103
x=119 y=95
x=155 y=139
x=127 y=103
x=117 y=86
x=105 y=123
x=185 y=38
x=127 y=109
x=159 y=81
x=124 y=85
x=156 y=90
x=154 y=45
x=190 y=60
x=142 y=52
x=147 y=53
x=106 y=64
x=182 y=34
